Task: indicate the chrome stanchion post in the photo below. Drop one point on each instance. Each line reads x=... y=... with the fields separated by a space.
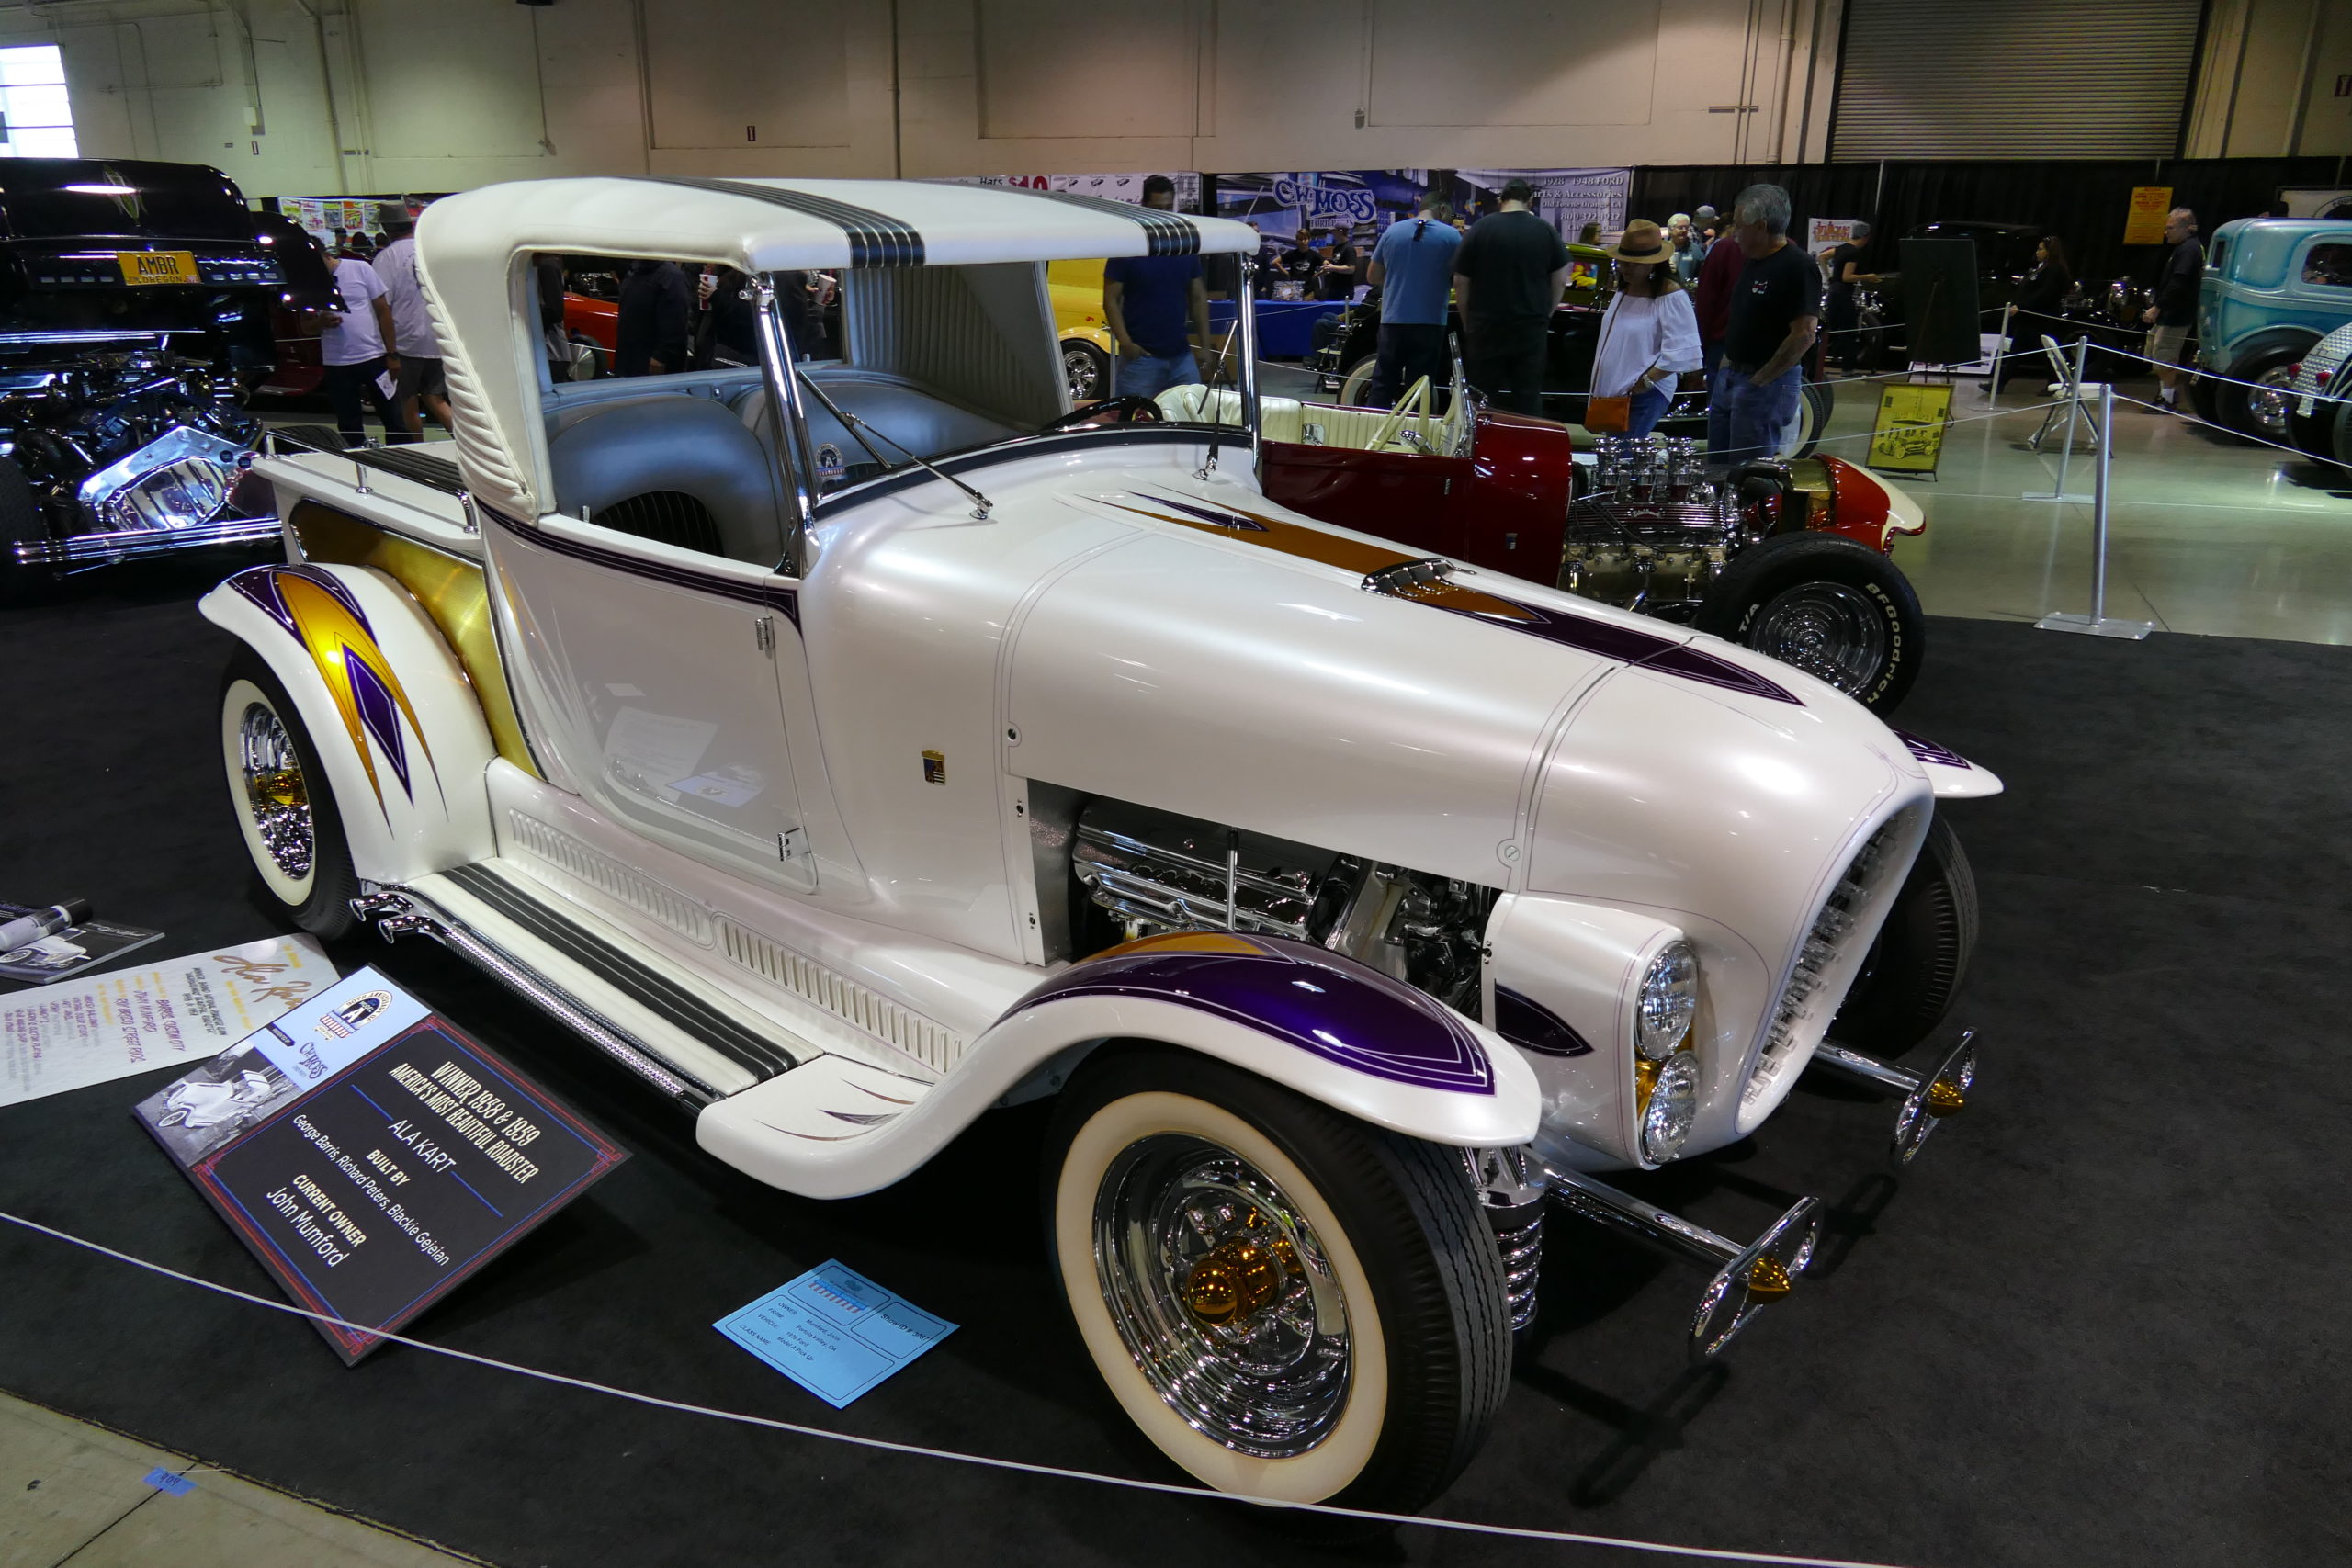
x=2096 y=623
x=2000 y=354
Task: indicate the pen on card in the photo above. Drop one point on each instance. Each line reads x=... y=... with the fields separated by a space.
x=29 y=928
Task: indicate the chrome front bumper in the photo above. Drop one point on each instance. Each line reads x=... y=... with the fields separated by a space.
x=1751 y=1275
x=97 y=548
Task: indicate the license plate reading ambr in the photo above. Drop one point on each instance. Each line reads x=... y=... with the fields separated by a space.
x=157 y=267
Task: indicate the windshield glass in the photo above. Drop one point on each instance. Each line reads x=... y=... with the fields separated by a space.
x=881 y=395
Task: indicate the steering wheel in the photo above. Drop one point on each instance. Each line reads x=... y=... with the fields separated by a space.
x=1416 y=398
x=1131 y=409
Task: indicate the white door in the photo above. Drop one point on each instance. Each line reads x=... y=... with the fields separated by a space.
x=655 y=676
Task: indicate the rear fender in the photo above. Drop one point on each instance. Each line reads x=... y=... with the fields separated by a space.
x=388 y=706
x=1326 y=1026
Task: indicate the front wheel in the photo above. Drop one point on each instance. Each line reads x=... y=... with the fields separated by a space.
x=1838 y=610
x=21 y=523
x=2258 y=408
x=1921 y=954
x=1289 y=1304
x=285 y=808
x=1087 y=369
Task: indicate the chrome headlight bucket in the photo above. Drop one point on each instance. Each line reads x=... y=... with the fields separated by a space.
x=1668 y=1002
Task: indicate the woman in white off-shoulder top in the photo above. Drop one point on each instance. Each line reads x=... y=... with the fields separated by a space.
x=1650 y=336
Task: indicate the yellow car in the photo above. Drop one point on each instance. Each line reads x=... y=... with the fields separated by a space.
x=1075 y=289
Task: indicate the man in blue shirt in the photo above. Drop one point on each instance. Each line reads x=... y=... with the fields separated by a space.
x=1413 y=269
x=1148 y=301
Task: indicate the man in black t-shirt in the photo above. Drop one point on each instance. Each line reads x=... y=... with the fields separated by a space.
x=2175 y=310
x=1775 y=312
x=1302 y=260
x=1508 y=278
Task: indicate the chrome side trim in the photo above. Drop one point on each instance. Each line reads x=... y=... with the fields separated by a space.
x=1748 y=1279
x=398 y=911
x=148 y=541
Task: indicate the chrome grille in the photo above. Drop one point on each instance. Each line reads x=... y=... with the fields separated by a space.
x=1807 y=1001
x=2321 y=364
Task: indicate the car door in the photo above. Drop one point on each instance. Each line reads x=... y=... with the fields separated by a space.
x=659 y=678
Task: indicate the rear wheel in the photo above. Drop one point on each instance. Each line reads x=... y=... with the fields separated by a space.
x=1838 y=610
x=1087 y=369
x=1812 y=417
x=1908 y=978
x=285 y=808
x=2259 y=409
x=1289 y=1304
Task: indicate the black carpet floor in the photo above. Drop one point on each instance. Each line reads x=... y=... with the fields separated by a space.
x=2096 y=1324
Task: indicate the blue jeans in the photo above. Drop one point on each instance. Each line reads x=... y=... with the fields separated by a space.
x=1757 y=418
x=1646 y=408
x=1718 y=408
x=1154 y=374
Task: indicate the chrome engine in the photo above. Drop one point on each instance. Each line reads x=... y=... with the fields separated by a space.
x=1651 y=528
x=1144 y=872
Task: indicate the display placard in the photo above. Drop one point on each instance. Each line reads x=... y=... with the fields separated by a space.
x=2151 y=205
x=1909 y=436
x=379 y=1156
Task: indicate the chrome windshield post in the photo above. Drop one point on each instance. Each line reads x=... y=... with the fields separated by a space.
x=1248 y=317
x=788 y=419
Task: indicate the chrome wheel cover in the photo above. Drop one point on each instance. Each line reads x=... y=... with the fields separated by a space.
x=1830 y=631
x=276 y=795
x=2267 y=401
x=1082 y=371
x=1223 y=1295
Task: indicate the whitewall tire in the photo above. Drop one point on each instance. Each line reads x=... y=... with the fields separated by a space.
x=284 y=808
x=1289 y=1304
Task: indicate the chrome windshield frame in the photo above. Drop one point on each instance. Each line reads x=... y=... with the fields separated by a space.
x=1247 y=317
x=788 y=419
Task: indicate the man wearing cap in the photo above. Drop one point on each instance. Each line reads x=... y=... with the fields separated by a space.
x=1413 y=269
x=1707 y=224
x=421 y=381
x=1649 y=337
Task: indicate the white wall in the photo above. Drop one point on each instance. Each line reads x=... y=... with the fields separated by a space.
x=2267 y=85
x=437 y=94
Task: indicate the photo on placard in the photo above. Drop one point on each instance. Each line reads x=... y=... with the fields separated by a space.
x=195 y=1115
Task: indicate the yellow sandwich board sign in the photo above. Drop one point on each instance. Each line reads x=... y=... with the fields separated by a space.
x=1909 y=435
x=2151 y=205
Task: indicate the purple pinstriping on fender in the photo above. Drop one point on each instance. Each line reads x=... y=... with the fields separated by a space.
x=1326 y=1005
x=1528 y=1024
x=1645 y=649
x=1928 y=752
x=777 y=598
x=259 y=584
x=380 y=713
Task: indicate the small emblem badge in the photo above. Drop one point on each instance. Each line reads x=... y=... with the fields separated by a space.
x=934 y=767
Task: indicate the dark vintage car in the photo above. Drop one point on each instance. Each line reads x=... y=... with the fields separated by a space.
x=1791 y=558
x=132 y=298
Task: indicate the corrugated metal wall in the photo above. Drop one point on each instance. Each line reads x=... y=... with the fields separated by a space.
x=2014 y=78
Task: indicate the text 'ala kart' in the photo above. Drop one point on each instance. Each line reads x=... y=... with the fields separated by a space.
x=848 y=747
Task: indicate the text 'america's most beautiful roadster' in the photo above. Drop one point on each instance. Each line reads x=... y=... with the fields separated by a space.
x=847 y=748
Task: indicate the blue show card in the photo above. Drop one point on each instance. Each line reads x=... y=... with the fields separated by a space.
x=834 y=1332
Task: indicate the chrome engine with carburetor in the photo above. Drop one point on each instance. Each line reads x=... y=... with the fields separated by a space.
x=1792 y=557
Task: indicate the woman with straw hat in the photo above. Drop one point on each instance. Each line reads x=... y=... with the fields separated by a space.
x=1650 y=336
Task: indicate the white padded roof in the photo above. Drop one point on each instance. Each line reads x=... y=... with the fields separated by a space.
x=469 y=248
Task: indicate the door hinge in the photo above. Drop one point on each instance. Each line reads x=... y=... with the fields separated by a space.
x=792 y=845
x=764 y=633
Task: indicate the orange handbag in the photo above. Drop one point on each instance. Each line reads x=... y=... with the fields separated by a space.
x=1608 y=416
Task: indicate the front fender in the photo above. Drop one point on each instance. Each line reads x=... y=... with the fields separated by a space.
x=395 y=722
x=1334 y=1029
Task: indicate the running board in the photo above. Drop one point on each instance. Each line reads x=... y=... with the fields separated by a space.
x=398 y=911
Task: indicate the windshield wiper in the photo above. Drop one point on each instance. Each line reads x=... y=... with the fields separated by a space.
x=981 y=504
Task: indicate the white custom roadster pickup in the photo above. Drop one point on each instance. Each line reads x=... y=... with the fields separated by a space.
x=845 y=747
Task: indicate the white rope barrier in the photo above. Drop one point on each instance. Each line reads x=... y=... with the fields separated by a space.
x=1059 y=1472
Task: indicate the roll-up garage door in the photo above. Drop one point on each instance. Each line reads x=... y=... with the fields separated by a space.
x=2014 y=78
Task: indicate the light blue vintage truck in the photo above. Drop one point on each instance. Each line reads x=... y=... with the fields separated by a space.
x=2273 y=287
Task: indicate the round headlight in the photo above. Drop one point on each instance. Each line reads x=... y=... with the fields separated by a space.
x=1669 y=998
x=1674 y=1103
